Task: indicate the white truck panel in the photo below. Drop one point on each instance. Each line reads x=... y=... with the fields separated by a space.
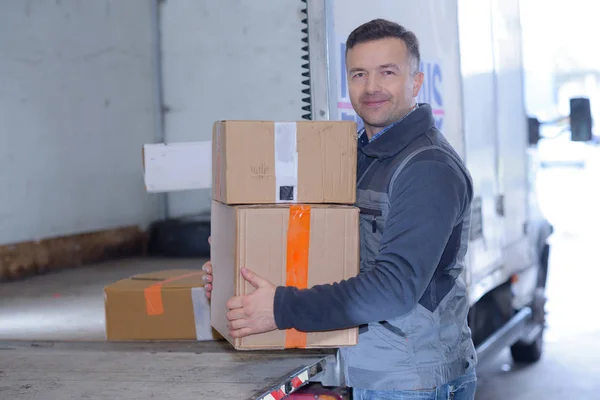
x=496 y=139
x=480 y=102
x=77 y=102
x=511 y=117
x=228 y=59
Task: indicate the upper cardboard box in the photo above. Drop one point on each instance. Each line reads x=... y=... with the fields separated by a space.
x=265 y=162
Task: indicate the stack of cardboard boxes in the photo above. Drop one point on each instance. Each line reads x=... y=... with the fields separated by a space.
x=283 y=196
x=283 y=206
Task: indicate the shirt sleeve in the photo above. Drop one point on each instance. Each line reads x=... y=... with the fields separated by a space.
x=425 y=207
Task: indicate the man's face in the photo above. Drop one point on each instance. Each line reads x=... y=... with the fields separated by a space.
x=381 y=82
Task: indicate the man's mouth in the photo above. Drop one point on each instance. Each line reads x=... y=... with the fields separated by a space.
x=374 y=103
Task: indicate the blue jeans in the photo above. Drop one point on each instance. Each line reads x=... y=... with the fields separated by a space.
x=462 y=388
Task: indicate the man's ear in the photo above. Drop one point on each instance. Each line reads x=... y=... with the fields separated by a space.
x=417 y=83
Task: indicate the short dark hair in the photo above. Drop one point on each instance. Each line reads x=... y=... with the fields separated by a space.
x=381 y=29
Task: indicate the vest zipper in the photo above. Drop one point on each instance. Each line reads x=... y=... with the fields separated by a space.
x=374 y=214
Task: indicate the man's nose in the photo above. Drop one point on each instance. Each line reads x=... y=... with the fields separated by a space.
x=372 y=84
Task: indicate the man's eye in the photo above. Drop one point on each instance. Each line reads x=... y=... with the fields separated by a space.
x=388 y=72
x=359 y=75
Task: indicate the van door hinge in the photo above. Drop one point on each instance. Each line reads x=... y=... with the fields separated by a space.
x=500 y=205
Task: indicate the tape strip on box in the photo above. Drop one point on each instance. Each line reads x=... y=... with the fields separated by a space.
x=298 y=244
x=286 y=162
x=201 y=314
x=153 y=294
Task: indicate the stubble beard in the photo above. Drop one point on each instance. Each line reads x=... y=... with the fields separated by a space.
x=394 y=114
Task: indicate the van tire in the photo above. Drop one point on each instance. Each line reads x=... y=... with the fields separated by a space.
x=532 y=352
x=528 y=353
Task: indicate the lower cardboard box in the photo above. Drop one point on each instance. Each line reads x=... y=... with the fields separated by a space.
x=293 y=245
x=162 y=305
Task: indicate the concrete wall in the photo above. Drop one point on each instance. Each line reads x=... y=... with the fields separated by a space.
x=228 y=59
x=78 y=99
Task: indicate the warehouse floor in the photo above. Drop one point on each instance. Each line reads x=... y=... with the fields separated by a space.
x=68 y=307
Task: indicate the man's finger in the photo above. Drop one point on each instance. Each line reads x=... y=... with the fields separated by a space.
x=239 y=333
x=207 y=267
x=237 y=324
x=207 y=289
x=253 y=278
x=237 y=313
x=234 y=302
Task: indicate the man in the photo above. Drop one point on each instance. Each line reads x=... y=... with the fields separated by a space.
x=415 y=198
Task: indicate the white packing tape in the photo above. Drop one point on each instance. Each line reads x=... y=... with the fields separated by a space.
x=201 y=307
x=286 y=163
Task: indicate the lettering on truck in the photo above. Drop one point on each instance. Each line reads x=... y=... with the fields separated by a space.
x=431 y=91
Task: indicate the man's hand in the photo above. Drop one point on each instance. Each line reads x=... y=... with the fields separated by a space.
x=249 y=314
x=253 y=313
x=207 y=277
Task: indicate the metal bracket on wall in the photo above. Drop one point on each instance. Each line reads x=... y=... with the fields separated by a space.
x=318 y=20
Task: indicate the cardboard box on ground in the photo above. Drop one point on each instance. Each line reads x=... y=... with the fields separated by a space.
x=283 y=196
x=162 y=305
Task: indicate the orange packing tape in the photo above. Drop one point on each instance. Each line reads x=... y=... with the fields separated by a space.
x=153 y=294
x=298 y=240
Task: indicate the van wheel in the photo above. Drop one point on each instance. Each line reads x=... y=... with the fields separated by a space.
x=528 y=353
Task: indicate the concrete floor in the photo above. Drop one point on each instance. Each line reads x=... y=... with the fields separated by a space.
x=570 y=366
x=68 y=306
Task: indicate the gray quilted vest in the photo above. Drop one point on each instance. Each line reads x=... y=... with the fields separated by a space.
x=432 y=344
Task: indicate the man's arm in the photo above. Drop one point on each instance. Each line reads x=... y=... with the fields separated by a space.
x=424 y=209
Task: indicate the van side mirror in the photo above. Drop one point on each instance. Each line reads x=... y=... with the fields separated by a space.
x=581 y=120
x=533 y=126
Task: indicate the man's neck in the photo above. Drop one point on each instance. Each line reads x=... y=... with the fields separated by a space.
x=372 y=130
